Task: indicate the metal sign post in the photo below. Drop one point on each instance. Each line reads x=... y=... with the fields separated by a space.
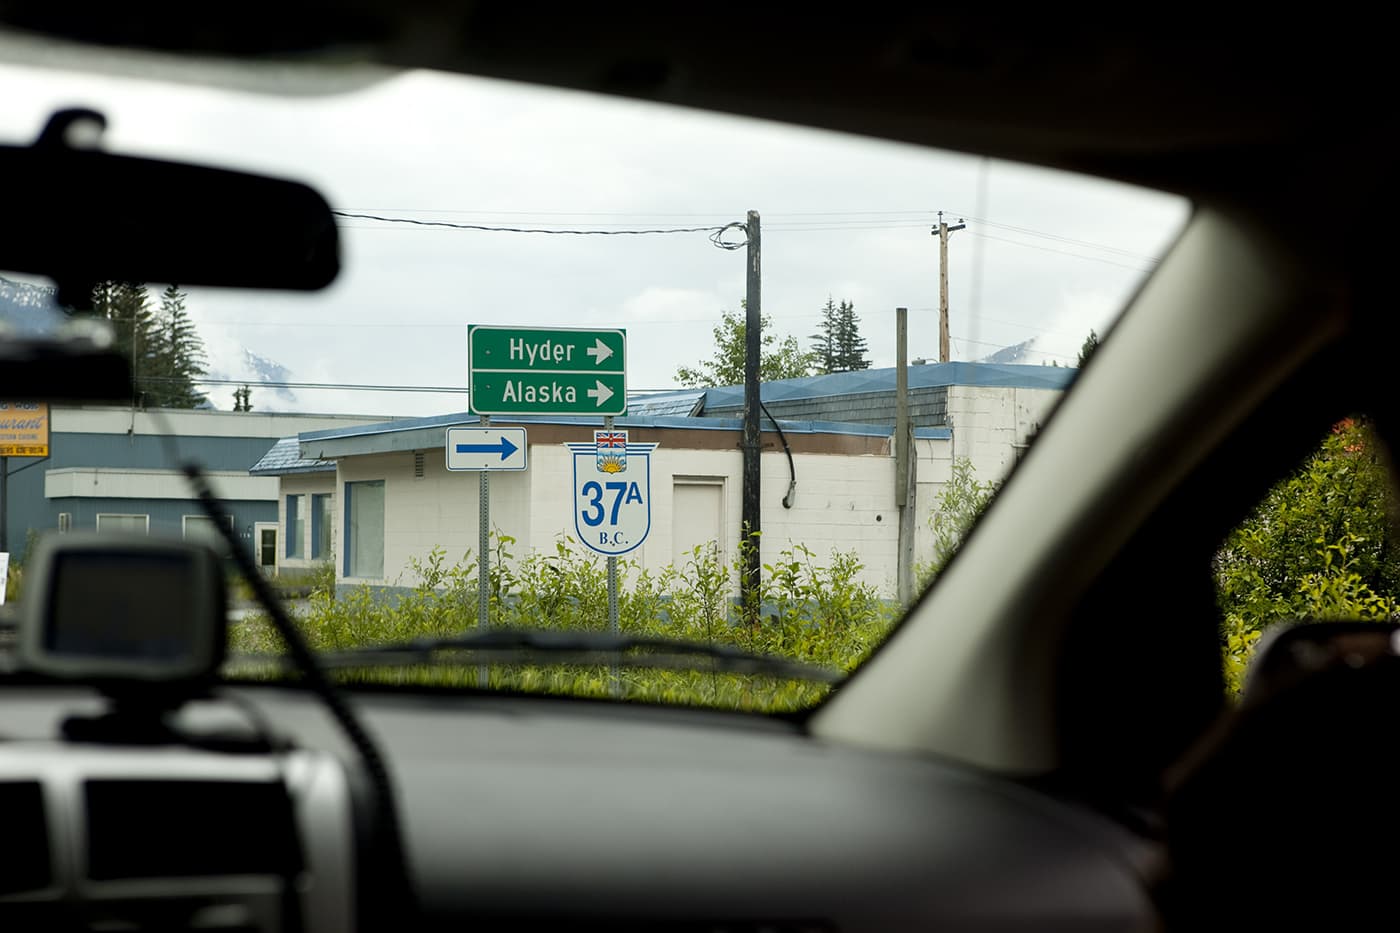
x=485 y=450
x=483 y=604
x=613 y=625
x=612 y=566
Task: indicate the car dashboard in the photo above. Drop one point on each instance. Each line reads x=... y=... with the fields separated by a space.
x=536 y=812
x=135 y=837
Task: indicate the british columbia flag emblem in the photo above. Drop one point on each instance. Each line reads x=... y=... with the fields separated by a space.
x=612 y=451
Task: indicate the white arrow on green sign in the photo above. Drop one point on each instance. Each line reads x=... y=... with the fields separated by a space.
x=546 y=371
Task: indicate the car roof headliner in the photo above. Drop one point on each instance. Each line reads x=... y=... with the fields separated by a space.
x=1182 y=105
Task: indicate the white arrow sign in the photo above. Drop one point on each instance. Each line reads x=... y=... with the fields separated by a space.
x=487 y=449
x=602 y=393
x=599 y=351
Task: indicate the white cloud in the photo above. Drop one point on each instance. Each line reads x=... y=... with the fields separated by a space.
x=673 y=304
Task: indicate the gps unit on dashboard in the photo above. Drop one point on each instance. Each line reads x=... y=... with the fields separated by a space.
x=126 y=613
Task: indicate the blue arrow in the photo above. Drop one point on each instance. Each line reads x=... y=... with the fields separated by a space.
x=505 y=448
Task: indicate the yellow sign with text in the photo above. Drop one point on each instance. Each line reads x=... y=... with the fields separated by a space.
x=24 y=429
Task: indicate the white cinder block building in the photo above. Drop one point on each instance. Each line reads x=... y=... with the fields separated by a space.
x=376 y=496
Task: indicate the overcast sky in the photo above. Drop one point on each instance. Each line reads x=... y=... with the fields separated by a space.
x=1044 y=255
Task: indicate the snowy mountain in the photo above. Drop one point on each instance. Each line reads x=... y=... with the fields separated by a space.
x=1016 y=353
x=240 y=363
x=1026 y=353
x=28 y=309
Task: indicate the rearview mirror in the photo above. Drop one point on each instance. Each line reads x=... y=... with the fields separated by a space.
x=74 y=364
x=82 y=216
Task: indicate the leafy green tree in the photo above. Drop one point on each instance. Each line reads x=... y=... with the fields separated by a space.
x=777 y=360
x=955 y=508
x=180 y=358
x=1321 y=544
x=242 y=399
x=1091 y=343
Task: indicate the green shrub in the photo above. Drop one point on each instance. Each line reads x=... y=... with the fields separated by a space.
x=14 y=582
x=955 y=509
x=811 y=612
x=1319 y=546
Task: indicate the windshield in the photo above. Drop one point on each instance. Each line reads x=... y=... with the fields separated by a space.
x=523 y=403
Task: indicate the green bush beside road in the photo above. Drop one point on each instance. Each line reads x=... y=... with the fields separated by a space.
x=817 y=612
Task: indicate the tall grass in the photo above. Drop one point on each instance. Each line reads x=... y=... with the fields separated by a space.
x=808 y=610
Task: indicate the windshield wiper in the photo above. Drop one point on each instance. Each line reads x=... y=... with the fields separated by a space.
x=527 y=646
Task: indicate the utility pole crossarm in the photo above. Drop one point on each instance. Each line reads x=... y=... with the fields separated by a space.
x=941 y=231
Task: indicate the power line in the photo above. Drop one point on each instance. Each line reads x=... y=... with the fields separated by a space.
x=1019 y=324
x=811 y=316
x=545 y=230
x=1062 y=252
x=854 y=224
x=847 y=228
x=437 y=210
x=716 y=232
x=883 y=219
x=787 y=228
x=600 y=227
x=348 y=386
x=814 y=316
x=918 y=212
x=498 y=213
x=1030 y=231
x=1002 y=346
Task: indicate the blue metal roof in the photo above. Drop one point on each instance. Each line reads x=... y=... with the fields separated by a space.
x=1004 y=375
x=426 y=433
x=466 y=419
x=285 y=457
x=658 y=411
x=683 y=403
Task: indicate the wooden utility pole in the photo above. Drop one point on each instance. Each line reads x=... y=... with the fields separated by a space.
x=750 y=525
x=903 y=462
x=941 y=231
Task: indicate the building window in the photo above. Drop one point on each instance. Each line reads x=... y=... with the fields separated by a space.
x=364 y=529
x=294 y=527
x=112 y=523
x=65 y=522
x=202 y=528
x=322 y=518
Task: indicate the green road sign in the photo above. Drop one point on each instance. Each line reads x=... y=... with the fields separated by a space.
x=546 y=371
